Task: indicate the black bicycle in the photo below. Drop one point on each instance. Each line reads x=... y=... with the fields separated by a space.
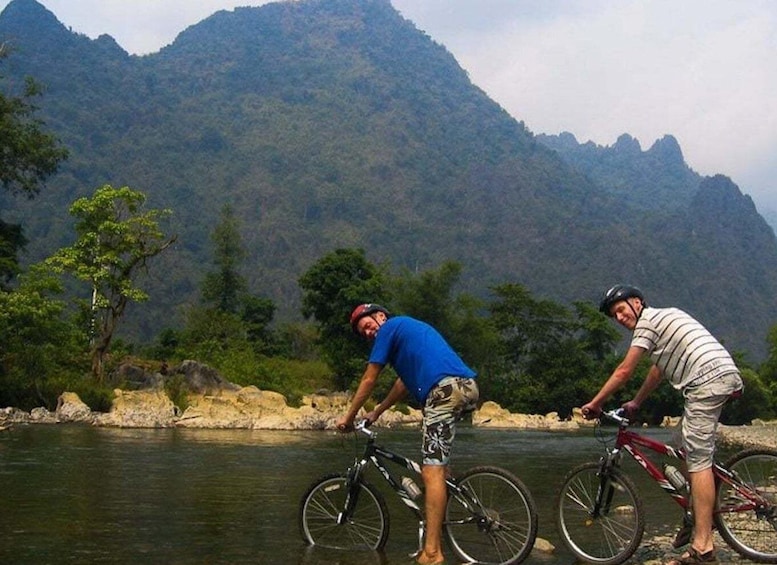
x=490 y=517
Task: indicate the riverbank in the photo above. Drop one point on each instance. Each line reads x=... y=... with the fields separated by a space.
x=231 y=407
x=212 y=402
x=758 y=434
x=251 y=408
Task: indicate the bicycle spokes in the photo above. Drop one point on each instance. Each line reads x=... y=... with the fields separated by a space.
x=747 y=506
x=600 y=519
x=492 y=518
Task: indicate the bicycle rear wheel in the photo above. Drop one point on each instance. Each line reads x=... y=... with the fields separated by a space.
x=752 y=534
x=610 y=537
x=367 y=527
x=504 y=525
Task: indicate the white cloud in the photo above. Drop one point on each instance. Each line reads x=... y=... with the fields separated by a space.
x=701 y=71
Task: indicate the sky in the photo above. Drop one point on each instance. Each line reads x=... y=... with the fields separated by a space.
x=703 y=71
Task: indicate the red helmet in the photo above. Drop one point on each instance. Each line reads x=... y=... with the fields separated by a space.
x=365 y=310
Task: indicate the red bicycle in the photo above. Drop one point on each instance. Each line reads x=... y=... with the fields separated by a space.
x=601 y=517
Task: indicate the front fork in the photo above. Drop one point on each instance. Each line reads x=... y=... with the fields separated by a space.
x=606 y=489
x=352 y=483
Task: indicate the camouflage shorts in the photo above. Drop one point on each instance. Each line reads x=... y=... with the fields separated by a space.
x=446 y=403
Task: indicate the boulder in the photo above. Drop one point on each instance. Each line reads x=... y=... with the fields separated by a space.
x=10 y=416
x=246 y=407
x=139 y=409
x=42 y=416
x=670 y=421
x=129 y=376
x=201 y=379
x=491 y=415
x=70 y=408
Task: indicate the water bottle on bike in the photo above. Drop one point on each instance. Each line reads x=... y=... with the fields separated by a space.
x=675 y=477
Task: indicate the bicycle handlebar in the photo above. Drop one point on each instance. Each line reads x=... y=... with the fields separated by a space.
x=618 y=415
x=363 y=427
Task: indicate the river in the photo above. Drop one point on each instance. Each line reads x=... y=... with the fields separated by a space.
x=81 y=494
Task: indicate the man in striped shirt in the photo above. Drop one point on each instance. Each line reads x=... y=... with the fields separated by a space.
x=697 y=365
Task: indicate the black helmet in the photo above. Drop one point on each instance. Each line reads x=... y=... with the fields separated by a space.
x=617 y=293
x=365 y=310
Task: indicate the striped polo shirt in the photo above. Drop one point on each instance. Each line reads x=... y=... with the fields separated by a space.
x=687 y=354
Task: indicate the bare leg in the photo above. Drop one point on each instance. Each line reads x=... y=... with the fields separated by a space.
x=436 y=497
x=703 y=489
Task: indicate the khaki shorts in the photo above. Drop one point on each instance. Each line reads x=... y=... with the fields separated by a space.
x=446 y=403
x=703 y=406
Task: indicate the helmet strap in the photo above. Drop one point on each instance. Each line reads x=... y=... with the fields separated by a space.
x=637 y=316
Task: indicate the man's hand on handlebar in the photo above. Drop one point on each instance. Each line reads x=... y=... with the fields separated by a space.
x=370 y=418
x=591 y=411
x=344 y=425
x=631 y=407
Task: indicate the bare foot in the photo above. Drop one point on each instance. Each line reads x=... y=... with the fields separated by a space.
x=428 y=559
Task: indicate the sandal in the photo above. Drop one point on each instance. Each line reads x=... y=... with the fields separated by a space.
x=693 y=556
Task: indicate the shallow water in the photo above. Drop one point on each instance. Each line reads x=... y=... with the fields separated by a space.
x=79 y=494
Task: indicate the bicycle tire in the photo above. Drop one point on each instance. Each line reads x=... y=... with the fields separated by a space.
x=610 y=538
x=750 y=533
x=367 y=528
x=503 y=534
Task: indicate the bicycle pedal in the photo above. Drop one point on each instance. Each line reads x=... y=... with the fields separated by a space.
x=683 y=537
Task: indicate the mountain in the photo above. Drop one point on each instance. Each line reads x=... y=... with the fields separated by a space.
x=337 y=123
x=654 y=179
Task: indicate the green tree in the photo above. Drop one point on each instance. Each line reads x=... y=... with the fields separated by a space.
x=28 y=155
x=527 y=326
x=429 y=296
x=332 y=288
x=257 y=313
x=768 y=369
x=224 y=287
x=224 y=291
x=756 y=402
x=39 y=344
x=598 y=335
x=551 y=359
x=11 y=241
x=115 y=238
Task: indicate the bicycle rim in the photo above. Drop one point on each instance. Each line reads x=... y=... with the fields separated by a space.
x=752 y=534
x=613 y=536
x=504 y=529
x=367 y=526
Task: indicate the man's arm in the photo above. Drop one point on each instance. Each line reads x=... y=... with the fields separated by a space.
x=369 y=378
x=652 y=380
x=397 y=393
x=619 y=377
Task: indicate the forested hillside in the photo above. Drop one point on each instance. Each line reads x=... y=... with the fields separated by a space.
x=337 y=123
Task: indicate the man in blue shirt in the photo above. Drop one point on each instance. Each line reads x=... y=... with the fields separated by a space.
x=437 y=378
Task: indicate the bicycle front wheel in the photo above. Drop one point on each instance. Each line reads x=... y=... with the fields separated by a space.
x=752 y=533
x=366 y=526
x=609 y=536
x=497 y=521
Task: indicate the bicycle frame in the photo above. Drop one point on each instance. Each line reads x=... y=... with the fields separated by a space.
x=631 y=442
x=378 y=456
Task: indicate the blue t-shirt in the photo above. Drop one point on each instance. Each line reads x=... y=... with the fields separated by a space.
x=419 y=354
